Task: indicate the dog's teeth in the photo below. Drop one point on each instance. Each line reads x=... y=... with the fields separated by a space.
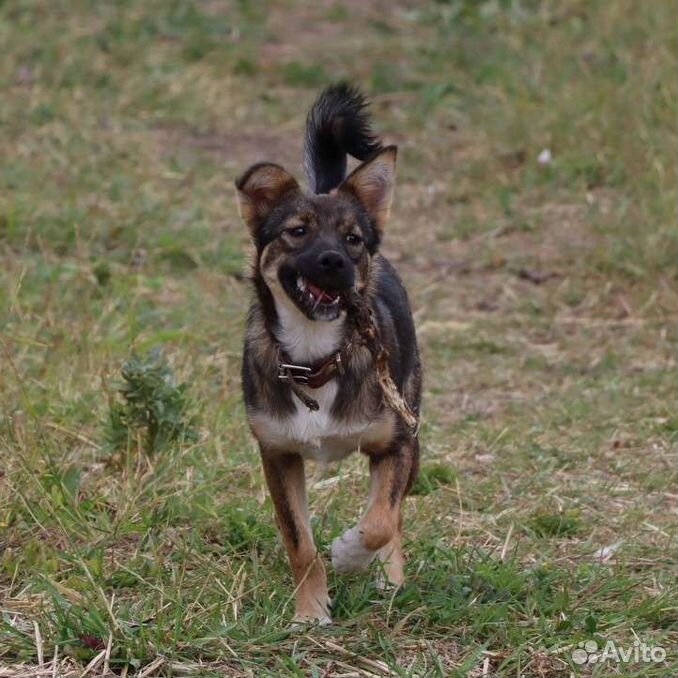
x=301 y=284
x=335 y=301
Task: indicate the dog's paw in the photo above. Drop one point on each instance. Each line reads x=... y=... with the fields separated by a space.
x=385 y=583
x=390 y=575
x=302 y=621
x=312 y=611
x=348 y=553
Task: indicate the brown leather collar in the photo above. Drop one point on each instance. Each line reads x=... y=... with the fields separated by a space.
x=313 y=376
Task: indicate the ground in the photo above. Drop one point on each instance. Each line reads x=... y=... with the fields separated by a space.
x=534 y=225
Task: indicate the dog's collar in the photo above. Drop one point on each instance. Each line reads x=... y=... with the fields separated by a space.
x=313 y=376
x=366 y=333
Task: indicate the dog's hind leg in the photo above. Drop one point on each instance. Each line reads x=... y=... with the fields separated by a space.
x=378 y=532
x=287 y=484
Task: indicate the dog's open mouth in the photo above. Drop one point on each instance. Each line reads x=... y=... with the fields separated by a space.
x=315 y=301
x=315 y=294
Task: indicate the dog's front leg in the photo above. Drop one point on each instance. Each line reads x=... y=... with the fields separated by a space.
x=378 y=532
x=287 y=485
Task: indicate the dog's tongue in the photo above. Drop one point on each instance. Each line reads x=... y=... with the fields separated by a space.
x=318 y=292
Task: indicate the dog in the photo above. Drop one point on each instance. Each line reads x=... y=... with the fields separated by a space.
x=330 y=362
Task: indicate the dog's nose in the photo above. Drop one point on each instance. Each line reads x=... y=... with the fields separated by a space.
x=331 y=261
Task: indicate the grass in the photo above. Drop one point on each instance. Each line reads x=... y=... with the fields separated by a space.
x=544 y=295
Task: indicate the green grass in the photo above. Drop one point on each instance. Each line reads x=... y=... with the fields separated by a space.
x=544 y=296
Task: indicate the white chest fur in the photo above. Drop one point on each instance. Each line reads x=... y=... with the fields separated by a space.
x=317 y=435
x=307 y=340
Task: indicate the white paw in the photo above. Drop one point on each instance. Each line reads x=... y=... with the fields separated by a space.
x=348 y=553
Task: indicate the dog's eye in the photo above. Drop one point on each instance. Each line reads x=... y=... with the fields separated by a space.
x=353 y=239
x=296 y=231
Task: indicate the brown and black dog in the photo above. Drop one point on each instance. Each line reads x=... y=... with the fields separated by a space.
x=329 y=332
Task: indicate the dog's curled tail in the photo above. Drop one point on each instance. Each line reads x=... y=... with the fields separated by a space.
x=337 y=124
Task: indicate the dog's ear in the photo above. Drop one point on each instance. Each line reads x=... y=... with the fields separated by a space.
x=372 y=183
x=260 y=188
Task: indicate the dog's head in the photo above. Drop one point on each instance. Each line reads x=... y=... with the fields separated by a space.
x=312 y=249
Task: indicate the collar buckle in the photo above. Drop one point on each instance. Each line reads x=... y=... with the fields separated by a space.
x=299 y=373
